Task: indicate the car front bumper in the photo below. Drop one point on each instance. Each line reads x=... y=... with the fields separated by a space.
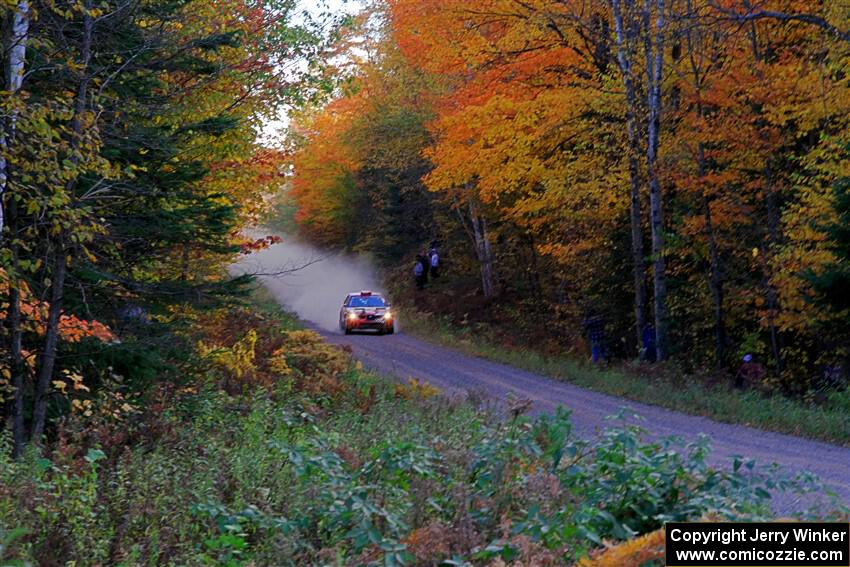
x=369 y=323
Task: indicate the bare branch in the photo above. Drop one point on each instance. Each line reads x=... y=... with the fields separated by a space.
x=284 y=270
x=811 y=19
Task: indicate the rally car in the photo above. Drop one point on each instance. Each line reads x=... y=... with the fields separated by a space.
x=366 y=310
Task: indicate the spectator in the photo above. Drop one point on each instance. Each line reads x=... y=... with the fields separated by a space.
x=749 y=373
x=418 y=272
x=435 y=263
x=649 y=353
x=594 y=324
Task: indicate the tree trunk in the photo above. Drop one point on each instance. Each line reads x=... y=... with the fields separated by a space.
x=16 y=48
x=483 y=250
x=638 y=261
x=772 y=296
x=772 y=238
x=715 y=276
x=715 y=282
x=654 y=66
x=714 y=273
x=17 y=368
x=624 y=59
x=51 y=339
x=16 y=365
x=51 y=342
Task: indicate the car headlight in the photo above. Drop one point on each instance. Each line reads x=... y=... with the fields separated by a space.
x=352 y=315
x=388 y=315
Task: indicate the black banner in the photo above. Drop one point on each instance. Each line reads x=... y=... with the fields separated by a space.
x=758 y=544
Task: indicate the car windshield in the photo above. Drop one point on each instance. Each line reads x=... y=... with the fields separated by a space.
x=368 y=301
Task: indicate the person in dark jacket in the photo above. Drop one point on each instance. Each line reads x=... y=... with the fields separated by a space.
x=649 y=353
x=419 y=272
x=434 y=260
x=750 y=373
x=594 y=325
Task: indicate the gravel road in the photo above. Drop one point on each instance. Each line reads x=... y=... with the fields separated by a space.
x=404 y=356
x=315 y=293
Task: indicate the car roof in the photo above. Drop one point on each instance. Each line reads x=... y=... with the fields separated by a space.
x=364 y=293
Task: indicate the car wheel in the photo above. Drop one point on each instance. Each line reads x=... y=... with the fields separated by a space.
x=390 y=330
x=348 y=330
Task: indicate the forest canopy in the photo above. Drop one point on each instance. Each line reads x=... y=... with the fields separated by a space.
x=129 y=163
x=680 y=168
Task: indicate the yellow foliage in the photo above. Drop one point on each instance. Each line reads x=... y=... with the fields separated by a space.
x=632 y=553
x=108 y=405
x=278 y=363
x=238 y=359
x=415 y=389
x=309 y=354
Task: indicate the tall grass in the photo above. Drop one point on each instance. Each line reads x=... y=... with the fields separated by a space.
x=828 y=421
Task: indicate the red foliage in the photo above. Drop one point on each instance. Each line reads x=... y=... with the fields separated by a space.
x=259 y=244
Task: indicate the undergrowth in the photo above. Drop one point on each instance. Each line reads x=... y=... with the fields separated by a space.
x=283 y=451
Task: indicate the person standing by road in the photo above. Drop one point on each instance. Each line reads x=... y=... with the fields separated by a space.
x=649 y=353
x=750 y=373
x=435 y=262
x=418 y=272
x=594 y=324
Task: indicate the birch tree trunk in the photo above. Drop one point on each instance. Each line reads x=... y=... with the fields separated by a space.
x=624 y=58
x=483 y=249
x=16 y=47
x=654 y=49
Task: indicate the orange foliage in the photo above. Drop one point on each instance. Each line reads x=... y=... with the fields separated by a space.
x=530 y=124
x=34 y=315
x=319 y=187
x=258 y=244
x=633 y=553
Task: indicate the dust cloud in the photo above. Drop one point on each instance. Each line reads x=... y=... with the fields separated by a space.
x=319 y=282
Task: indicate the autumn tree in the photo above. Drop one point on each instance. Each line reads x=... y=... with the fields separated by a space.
x=135 y=163
x=598 y=139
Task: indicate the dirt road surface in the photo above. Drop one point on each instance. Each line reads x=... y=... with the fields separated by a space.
x=404 y=356
x=316 y=292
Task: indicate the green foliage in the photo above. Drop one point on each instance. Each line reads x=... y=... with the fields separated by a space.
x=130 y=163
x=245 y=479
x=834 y=281
x=7 y=541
